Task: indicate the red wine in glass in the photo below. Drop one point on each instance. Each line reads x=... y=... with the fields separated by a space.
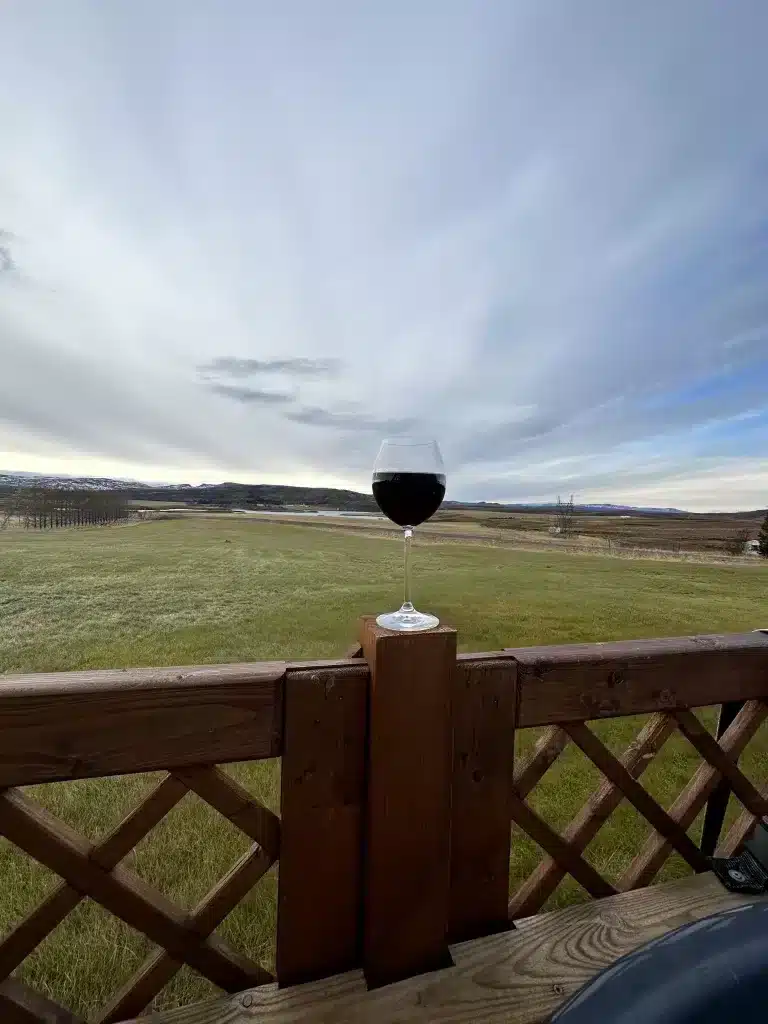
x=408 y=485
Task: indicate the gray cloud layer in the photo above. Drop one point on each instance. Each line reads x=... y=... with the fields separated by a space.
x=537 y=231
x=233 y=366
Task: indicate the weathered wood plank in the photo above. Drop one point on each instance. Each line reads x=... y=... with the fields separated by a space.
x=640 y=799
x=484 y=711
x=576 y=682
x=407 y=870
x=547 y=875
x=72 y=725
x=516 y=977
x=692 y=799
x=319 y=925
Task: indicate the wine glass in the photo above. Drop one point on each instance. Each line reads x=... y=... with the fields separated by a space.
x=408 y=485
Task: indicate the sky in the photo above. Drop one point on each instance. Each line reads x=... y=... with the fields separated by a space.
x=247 y=240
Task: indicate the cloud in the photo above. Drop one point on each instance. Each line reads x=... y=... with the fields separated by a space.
x=349 y=421
x=249 y=396
x=233 y=366
x=545 y=246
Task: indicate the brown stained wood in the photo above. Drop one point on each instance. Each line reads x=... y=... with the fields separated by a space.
x=123 y=893
x=640 y=799
x=553 y=844
x=712 y=752
x=236 y=804
x=19 y=1004
x=692 y=799
x=73 y=725
x=407 y=872
x=516 y=977
x=484 y=708
x=323 y=790
x=545 y=878
x=739 y=831
x=532 y=768
x=160 y=967
x=30 y=932
x=575 y=682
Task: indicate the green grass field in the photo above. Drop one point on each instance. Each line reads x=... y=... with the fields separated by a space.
x=220 y=589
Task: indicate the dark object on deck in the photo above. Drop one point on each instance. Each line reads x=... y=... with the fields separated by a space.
x=748 y=872
x=708 y=972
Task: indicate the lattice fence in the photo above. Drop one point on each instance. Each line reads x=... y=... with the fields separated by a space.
x=95 y=870
x=620 y=781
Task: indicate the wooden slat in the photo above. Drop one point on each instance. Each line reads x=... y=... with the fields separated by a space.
x=576 y=682
x=739 y=831
x=532 y=768
x=124 y=894
x=236 y=804
x=29 y=933
x=712 y=752
x=160 y=967
x=545 y=878
x=87 y=724
x=321 y=807
x=19 y=1004
x=484 y=709
x=516 y=977
x=640 y=799
x=407 y=866
x=690 y=801
x=558 y=849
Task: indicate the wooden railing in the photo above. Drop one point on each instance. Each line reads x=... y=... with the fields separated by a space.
x=398 y=793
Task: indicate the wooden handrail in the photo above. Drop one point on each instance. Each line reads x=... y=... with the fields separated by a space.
x=378 y=752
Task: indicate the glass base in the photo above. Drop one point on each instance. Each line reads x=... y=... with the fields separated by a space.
x=407 y=620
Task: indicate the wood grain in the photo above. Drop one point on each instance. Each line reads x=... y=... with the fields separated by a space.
x=693 y=797
x=484 y=710
x=407 y=876
x=575 y=682
x=319 y=924
x=545 y=878
x=640 y=799
x=517 y=977
x=73 y=725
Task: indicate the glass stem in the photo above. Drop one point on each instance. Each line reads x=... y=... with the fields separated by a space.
x=408 y=536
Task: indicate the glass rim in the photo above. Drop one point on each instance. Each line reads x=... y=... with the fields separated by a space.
x=410 y=442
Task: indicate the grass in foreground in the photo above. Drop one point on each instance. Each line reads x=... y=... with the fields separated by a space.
x=178 y=592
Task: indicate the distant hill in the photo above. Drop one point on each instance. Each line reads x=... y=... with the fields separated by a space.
x=272 y=496
x=227 y=494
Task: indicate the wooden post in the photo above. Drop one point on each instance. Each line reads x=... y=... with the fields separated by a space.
x=484 y=717
x=407 y=871
x=322 y=809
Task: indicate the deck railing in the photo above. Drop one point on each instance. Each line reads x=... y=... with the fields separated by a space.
x=398 y=792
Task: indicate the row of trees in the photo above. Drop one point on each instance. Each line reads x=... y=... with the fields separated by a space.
x=43 y=508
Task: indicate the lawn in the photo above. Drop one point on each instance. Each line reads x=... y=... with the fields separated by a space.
x=224 y=589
